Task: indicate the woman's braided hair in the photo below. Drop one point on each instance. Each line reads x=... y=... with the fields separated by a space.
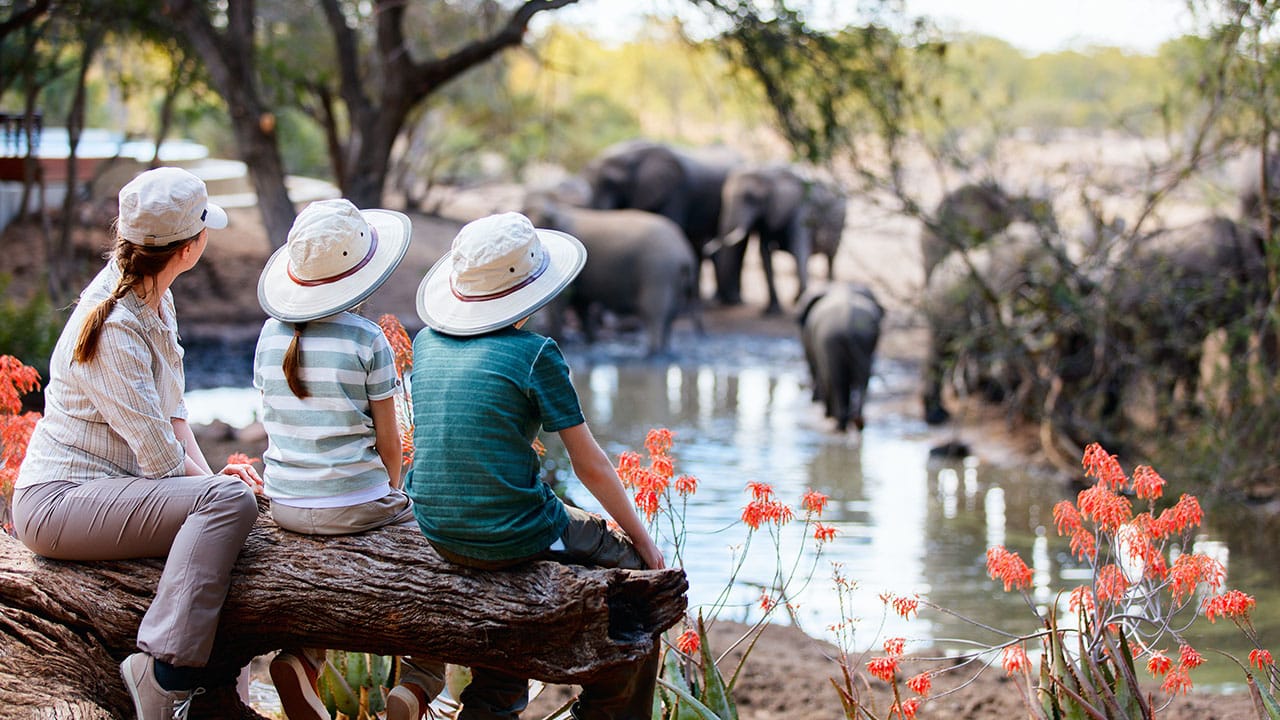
x=138 y=265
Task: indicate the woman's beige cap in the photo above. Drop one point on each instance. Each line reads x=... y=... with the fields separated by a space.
x=162 y=206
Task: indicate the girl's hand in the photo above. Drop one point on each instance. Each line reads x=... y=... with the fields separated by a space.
x=246 y=473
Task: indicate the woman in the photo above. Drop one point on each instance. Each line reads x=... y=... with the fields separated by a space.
x=113 y=470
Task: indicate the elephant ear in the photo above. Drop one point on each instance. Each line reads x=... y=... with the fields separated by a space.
x=657 y=175
x=785 y=201
x=805 y=303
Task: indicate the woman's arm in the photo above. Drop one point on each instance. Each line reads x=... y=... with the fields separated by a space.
x=195 y=463
x=386 y=429
x=593 y=468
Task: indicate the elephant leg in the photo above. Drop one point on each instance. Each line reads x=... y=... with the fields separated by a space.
x=935 y=367
x=840 y=371
x=766 y=261
x=801 y=248
x=728 y=260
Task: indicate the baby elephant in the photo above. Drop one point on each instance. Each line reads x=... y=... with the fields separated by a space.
x=839 y=328
x=638 y=264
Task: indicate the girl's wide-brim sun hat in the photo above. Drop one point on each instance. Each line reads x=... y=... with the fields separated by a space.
x=499 y=270
x=336 y=256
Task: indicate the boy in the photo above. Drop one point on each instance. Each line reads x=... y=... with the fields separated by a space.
x=482 y=389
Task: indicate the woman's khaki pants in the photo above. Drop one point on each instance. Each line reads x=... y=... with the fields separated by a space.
x=198 y=523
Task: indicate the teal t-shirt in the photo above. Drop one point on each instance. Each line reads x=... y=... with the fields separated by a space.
x=478 y=404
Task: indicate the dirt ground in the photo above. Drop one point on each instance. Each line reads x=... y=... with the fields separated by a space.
x=788 y=674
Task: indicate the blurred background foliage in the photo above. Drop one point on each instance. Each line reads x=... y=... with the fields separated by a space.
x=567 y=95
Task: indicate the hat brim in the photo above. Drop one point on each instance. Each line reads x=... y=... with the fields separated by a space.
x=215 y=218
x=287 y=301
x=441 y=310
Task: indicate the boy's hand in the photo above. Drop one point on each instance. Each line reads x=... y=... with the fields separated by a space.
x=651 y=555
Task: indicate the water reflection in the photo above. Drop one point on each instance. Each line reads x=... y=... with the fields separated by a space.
x=907 y=524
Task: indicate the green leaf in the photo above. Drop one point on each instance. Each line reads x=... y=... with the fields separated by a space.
x=335 y=691
x=1269 y=700
x=674 y=675
x=714 y=693
x=702 y=711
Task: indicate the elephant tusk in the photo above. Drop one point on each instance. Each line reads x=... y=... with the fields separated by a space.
x=731 y=238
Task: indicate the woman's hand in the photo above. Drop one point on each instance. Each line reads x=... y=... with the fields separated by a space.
x=246 y=473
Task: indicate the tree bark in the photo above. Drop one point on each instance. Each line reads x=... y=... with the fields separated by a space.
x=64 y=627
x=229 y=58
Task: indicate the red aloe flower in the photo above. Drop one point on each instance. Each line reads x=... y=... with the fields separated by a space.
x=921 y=684
x=663 y=466
x=1177 y=682
x=1111 y=583
x=401 y=347
x=1066 y=517
x=1008 y=568
x=883 y=668
x=906 y=606
x=16 y=379
x=1104 y=507
x=1158 y=664
x=813 y=502
x=688 y=642
x=1188 y=658
x=895 y=646
x=1260 y=658
x=823 y=533
x=1014 y=659
x=1081 y=597
x=907 y=708
x=1233 y=604
x=1100 y=464
x=658 y=441
x=1147 y=483
x=686 y=484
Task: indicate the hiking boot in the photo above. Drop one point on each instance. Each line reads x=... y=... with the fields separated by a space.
x=150 y=701
x=296 y=679
x=407 y=702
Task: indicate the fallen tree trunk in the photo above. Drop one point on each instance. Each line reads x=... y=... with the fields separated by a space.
x=64 y=627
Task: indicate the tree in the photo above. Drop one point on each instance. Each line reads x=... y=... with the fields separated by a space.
x=65 y=626
x=362 y=101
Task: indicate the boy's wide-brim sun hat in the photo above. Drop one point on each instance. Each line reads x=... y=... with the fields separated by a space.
x=336 y=256
x=499 y=269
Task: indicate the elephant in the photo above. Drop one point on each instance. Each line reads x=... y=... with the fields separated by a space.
x=638 y=264
x=971 y=214
x=1176 y=288
x=979 y=305
x=839 y=329
x=785 y=212
x=683 y=186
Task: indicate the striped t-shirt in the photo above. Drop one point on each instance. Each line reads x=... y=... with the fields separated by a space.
x=322 y=446
x=478 y=403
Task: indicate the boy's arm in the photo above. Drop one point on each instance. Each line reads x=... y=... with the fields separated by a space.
x=595 y=471
x=386 y=436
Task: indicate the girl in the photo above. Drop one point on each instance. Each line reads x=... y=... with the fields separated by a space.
x=328 y=383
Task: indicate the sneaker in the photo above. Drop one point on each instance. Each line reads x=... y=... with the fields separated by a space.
x=406 y=702
x=296 y=681
x=150 y=701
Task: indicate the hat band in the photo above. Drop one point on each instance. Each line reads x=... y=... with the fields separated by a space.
x=546 y=261
x=373 y=247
